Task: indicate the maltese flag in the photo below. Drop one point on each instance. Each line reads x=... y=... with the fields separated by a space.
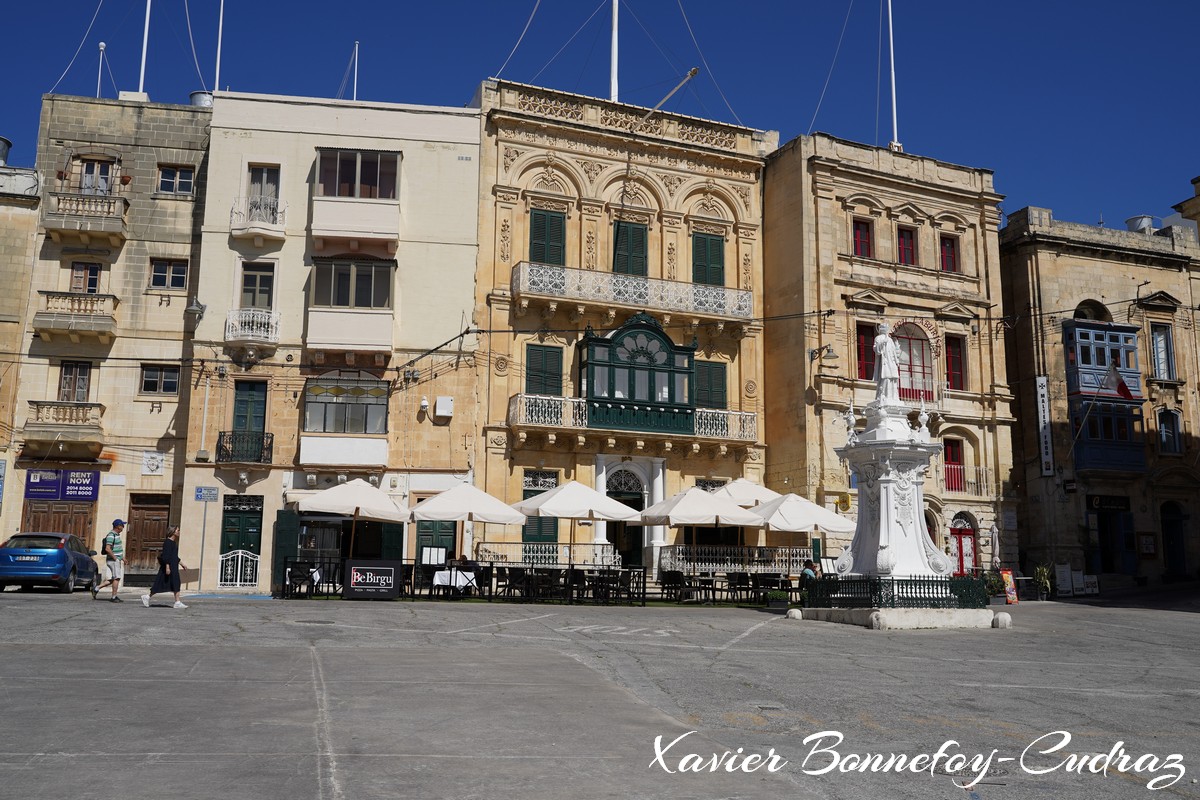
x=1113 y=382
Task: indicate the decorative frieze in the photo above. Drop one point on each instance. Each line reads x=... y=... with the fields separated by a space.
x=547 y=105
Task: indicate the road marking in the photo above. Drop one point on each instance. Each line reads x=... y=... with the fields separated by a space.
x=1087 y=690
x=321 y=725
x=494 y=624
x=741 y=636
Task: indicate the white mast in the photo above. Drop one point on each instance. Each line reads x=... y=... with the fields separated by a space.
x=145 y=41
x=99 y=69
x=612 y=92
x=220 y=30
x=894 y=144
x=356 y=70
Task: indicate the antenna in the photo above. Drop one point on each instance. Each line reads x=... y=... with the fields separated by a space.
x=612 y=85
x=894 y=145
x=145 y=42
x=220 y=30
x=99 y=69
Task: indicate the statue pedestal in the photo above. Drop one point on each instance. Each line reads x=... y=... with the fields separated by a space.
x=890 y=459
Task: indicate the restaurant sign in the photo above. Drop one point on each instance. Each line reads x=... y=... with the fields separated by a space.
x=372 y=580
x=62 y=484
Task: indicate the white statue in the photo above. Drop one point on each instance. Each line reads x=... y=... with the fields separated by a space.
x=851 y=420
x=887 y=366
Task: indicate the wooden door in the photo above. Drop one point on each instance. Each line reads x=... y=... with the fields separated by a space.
x=148 y=518
x=438 y=534
x=59 y=517
x=962 y=550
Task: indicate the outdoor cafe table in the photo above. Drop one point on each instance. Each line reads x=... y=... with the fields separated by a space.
x=459 y=579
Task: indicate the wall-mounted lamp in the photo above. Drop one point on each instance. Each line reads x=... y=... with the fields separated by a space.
x=424 y=403
x=196 y=309
x=824 y=352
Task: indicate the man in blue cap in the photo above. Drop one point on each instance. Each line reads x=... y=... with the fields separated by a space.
x=114 y=561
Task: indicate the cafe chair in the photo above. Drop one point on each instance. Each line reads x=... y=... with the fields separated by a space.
x=303 y=577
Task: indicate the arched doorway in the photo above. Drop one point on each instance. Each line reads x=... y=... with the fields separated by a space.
x=962 y=544
x=1174 y=539
x=626 y=537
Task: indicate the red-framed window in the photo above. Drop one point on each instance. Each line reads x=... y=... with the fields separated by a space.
x=948 y=246
x=864 y=244
x=864 y=338
x=954 y=471
x=916 y=363
x=906 y=246
x=955 y=360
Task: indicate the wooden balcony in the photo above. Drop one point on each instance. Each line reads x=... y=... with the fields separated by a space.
x=581 y=291
x=351 y=221
x=76 y=315
x=56 y=420
x=86 y=216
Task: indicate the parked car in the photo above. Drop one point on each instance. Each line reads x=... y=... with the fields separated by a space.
x=47 y=559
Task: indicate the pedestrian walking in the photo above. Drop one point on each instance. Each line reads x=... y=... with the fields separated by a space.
x=114 y=561
x=168 y=579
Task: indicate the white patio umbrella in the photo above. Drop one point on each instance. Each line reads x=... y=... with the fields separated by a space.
x=795 y=514
x=698 y=507
x=465 y=503
x=573 y=500
x=357 y=499
x=746 y=493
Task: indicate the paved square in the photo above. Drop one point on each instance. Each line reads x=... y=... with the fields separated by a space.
x=262 y=699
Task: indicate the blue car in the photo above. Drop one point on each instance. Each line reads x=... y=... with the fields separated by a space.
x=47 y=559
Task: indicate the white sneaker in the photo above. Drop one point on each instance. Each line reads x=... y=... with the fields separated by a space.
x=146 y=600
x=179 y=604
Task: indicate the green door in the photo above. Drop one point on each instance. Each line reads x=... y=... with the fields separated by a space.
x=249 y=421
x=437 y=534
x=241 y=530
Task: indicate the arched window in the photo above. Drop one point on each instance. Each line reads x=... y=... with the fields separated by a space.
x=1090 y=309
x=1169 y=441
x=916 y=363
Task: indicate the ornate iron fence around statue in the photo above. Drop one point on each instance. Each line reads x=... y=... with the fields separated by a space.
x=863 y=591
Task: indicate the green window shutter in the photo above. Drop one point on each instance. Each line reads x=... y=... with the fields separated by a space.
x=629 y=249
x=287 y=540
x=547 y=237
x=710 y=384
x=543 y=370
x=393 y=541
x=538 y=529
x=708 y=259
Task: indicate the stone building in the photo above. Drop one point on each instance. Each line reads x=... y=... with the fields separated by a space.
x=339 y=250
x=20 y=197
x=101 y=406
x=1103 y=347
x=856 y=236
x=620 y=293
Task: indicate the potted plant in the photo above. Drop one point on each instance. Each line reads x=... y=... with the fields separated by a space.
x=1041 y=581
x=777 y=598
x=995 y=586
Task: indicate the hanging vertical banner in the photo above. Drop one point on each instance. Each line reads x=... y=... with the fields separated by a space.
x=1045 y=445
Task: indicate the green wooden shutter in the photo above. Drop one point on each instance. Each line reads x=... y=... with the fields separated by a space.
x=547 y=237
x=708 y=259
x=393 y=541
x=629 y=250
x=543 y=370
x=287 y=540
x=710 y=384
x=538 y=529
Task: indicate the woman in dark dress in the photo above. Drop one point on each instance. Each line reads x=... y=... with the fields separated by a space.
x=169 y=565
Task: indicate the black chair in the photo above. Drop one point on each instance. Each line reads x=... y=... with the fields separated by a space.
x=672 y=583
x=737 y=586
x=301 y=579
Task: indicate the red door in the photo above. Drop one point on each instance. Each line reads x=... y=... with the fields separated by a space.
x=962 y=550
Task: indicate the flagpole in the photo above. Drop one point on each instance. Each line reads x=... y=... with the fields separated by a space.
x=894 y=144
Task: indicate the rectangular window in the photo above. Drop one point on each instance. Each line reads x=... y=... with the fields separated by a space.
x=160 y=379
x=350 y=173
x=955 y=353
x=547 y=237
x=864 y=244
x=168 y=274
x=85 y=278
x=629 y=248
x=948 y=245
x=906 y=246
x=543 y=370
x=345 y=402
x=258 y=286
x=175 y=180
x=1168 y=432
x=262 y=204
x=708 y=259
x=864 y=338
x=1163 y=352
x=352 y=284
x=710 y=384
x=74 y=381
x=96 y=177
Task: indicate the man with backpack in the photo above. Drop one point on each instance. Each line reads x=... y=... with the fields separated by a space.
x=114 y=561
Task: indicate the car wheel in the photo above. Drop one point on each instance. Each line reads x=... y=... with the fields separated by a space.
x=68 y=585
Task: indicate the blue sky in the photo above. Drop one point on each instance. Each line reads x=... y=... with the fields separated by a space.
x=1087 y=108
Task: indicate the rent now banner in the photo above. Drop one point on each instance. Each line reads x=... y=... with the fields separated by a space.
x=62 y=484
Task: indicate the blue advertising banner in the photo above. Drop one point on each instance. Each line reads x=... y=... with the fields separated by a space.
x=62 y=484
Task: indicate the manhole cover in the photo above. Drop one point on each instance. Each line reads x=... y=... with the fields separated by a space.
x=314 y=622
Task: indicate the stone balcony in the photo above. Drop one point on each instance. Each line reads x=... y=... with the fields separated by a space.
x=57 y=420
x=259 y=219
x=253 y=330
x=83 y=216
x=354 y=221
x=550 y=288
x=76 y=315
x=642 y=425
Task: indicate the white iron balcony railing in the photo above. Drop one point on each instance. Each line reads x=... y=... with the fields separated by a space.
x=258 y=210
x=61 y=412
x=541 y=554
x=961 y=479
x=547 y=411
x=605 y=289
x=693 y=558
x=252 y=325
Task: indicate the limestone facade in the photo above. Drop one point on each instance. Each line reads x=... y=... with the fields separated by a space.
x=100 y=417
x=339 y=251
x=1103 y=353
x=632 y=366
x=858 y=235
